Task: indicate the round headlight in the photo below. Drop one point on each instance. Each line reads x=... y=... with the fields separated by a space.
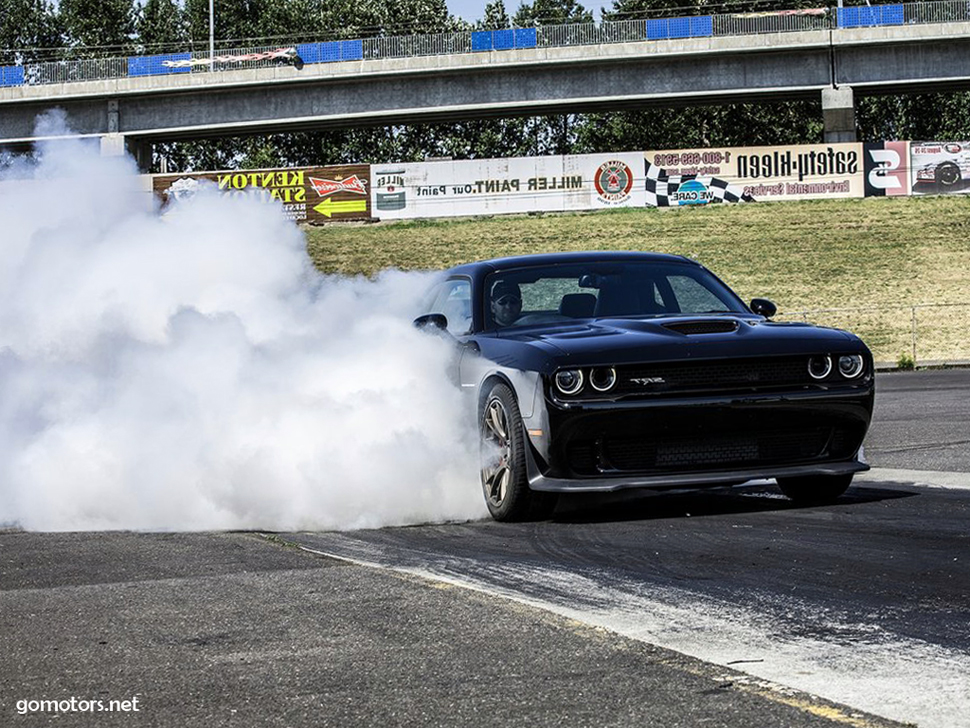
x=602 y=378
x=850 y=365
x=569 y=381
x=820 y=367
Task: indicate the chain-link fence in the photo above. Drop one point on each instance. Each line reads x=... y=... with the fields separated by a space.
x=917 y=335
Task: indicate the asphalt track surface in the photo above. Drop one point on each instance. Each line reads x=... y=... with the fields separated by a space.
x=725 y=608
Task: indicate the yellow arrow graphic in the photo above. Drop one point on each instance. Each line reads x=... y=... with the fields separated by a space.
x=329 y=207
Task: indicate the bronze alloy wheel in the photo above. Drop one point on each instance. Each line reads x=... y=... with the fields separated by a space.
x=496 y=453
x=504 y=481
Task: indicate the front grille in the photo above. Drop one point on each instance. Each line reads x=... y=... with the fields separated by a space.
x=712 y=452
x=691 y=328
x=719 y=375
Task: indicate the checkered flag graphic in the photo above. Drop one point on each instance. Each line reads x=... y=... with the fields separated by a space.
x=660 y=185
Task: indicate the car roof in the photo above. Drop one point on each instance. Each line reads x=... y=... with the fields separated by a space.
x=518 y=261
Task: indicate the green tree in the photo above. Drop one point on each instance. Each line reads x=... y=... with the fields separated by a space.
x=162 y=27
x=634 y=9
x=343 y=19
x=29 y=30
x=235 y=21
x=495 y=18
x=551 y=12
x=920 y=117
x=790 y=122
x=409 y=17
x=98 y=27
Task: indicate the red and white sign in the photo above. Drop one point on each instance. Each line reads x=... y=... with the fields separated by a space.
x=324 y=187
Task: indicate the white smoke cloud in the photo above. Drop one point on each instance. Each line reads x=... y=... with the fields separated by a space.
x=194 y=371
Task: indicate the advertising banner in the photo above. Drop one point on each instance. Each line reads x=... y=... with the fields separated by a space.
x=887 y=169
x=940 y=167
x=312 y=194
x=502 y=186
x=798 y=172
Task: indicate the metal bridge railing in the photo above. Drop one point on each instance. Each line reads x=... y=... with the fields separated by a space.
x=758 y=23
x=623 y=31
x=575 y=34
x=945 y=11
x=579 y=34
x=89 y=69
x=409 y=46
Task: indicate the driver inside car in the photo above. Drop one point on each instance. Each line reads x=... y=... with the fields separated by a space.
x=506 y=303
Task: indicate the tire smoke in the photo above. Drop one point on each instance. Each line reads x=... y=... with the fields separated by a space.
x=193 y=371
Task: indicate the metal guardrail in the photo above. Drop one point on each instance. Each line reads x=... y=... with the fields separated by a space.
x=410 y=46
x=579 y=34
x=90 y=69
x=947 y=11
x=759 y=23
x=904 y=335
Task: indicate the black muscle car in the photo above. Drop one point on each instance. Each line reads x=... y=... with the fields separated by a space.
x=600 y=371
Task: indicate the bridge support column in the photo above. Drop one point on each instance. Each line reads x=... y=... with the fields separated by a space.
x=142 y=152
x=115 y=145
x=838 y=114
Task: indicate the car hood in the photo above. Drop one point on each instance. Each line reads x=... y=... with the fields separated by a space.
x=622 y=341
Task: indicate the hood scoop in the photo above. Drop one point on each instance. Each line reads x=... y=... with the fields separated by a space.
x=690 y=328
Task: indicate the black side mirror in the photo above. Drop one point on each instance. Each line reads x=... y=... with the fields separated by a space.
x=436 y=321
x=763 y=307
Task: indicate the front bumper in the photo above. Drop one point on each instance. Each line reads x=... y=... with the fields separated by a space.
x=690 y=442
x=673 y=481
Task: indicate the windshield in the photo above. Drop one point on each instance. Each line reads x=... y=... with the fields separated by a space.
x=536 y=295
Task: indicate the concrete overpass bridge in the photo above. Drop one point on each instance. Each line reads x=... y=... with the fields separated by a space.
x=830 y=63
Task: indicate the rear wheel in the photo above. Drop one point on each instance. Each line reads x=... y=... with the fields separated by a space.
x=504 y=480
x=815 y=489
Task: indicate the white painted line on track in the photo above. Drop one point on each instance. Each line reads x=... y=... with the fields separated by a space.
x=930 y=478
x=857 y=664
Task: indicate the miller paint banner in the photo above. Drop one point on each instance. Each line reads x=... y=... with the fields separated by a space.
x=308 y=195
x=793 y=172
x=502 y=186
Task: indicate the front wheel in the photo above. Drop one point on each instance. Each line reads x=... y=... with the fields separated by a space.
x=815 y=489
x=504 y=480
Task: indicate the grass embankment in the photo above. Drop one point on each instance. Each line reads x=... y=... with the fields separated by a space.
x=875 y=257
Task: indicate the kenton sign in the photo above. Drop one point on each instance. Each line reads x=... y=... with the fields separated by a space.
x=312 y=194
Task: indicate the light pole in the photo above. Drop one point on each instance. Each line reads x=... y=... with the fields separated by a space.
x=212 y=34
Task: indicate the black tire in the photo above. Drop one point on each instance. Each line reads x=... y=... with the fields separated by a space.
x=948 y=175
x=504 y=481
x=815 y=489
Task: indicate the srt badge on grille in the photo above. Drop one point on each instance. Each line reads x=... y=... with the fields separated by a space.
x=648 y=380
